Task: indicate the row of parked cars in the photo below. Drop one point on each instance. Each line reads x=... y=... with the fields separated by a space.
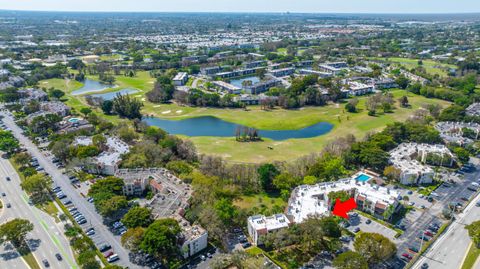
x=81 y=220
x=426 y=236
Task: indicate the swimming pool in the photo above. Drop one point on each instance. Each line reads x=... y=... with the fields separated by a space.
x=74 y=120
x=363 y=177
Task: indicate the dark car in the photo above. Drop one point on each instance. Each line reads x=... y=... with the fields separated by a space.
x=45 y=262
x=58 y=256
x=246 y=245
x=464 y=199
x=356 y=230
x=368 y=221
x=8 y=178
x=424 y=266
x=104 y=248
x=413 y=248
x=9 y=205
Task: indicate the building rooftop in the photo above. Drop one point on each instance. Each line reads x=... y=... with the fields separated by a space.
x=309 y=200
x=275 y=222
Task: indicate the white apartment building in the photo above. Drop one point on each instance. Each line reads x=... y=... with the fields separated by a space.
x=180 y=79
x=193 y=237
x=410 y=159
x=260 y=225
x=312 y=200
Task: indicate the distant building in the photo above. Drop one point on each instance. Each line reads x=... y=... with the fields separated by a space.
x=238 y=73
x=356 y=88
x=473 y=110
x=55 y=107
x=31 y=94
x=415 y=78
x=180 y=79
x=107 y=162
x=249 y=99
x=412 y=159
x=282 y=72
x=453 y=132
x=90 y=59
x=227 y=87
x=210 y=71
x=255 y=64
x=333 y=68
x=320 y=74
x=260 y=225
x=384 y=83
x=263 y=86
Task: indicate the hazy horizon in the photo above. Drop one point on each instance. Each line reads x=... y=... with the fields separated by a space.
x=249 y=6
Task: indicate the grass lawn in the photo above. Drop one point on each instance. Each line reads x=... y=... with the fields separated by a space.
x=263 y=201
x=471 y=258
x=345 y=123
x=28 y=257
x=432 y=67
x=282 y=51
x=51 y=210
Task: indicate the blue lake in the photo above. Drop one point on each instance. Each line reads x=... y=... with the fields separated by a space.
x=238 y=82
x=112 y=95
x=90 y=86
x=211 y=126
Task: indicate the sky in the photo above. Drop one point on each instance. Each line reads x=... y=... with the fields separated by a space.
x=308 y=6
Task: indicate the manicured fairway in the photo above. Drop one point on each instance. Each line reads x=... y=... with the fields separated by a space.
x=345 y=123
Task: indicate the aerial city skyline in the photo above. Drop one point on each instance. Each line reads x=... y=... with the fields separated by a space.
x=305 y=6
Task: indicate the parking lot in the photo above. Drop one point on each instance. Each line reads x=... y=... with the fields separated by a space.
x=370 y=226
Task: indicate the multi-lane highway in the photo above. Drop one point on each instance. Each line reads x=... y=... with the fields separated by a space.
x=47 y=237
x=94 y=219
x=450 y=249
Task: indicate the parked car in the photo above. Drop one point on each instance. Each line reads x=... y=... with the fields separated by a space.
x=246 y=245
x=428 y=233
x=406 y=255
x=356 y=230
x=8 y=178
x=104 y=247
x=108 y=254
x=45 y=263
x=113 y=258
x=424 y=265
x=58 y=256
x=413 y=248
x=368 y=221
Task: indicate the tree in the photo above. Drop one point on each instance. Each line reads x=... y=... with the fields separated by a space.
x=404 y=101
x=37 y=186
x=85 y=111
x=267 y=172
x=56 y=93
x=474 y=232
x=127 y=106
x=350 y=260
x=76 y=64
x=225 y=210
x=138 y=217
x=392 y=173
x=111 y=206
x=351 y=106
x=462 y=154
x=15 y=231
x=8 y=142
x=132 y=239
x=374 y=247
x=107 y=107
x=402 y=82
x=160 y=238
x=343 y=196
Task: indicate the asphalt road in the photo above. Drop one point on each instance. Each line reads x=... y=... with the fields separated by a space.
x=450 y=249
x=45 y=240
x=93 y=218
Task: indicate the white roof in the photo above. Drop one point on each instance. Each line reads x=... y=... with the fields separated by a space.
x=305 y=201
x=274 y=222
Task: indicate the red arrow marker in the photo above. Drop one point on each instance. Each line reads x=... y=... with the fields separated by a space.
x=341 y=209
